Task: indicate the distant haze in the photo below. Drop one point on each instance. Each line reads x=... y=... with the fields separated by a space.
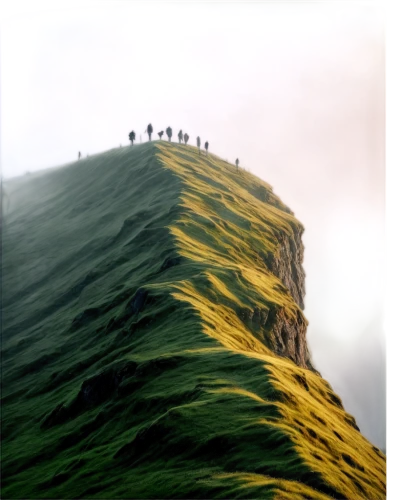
x=294 y=90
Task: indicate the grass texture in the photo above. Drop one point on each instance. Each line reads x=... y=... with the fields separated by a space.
x=141 y=358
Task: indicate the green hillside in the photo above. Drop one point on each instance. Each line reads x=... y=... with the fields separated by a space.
x=153 y=340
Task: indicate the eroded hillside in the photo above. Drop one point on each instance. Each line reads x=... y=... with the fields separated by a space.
x=154 y=344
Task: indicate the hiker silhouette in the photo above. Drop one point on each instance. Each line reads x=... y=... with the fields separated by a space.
x=79 y=155
x=198 y=143
x=149 y=130
x=160 y=134
x=169 y=133
x=132 y=137
x=206 y=146
x=180 y=136
x=237 y=163
x=186 y=137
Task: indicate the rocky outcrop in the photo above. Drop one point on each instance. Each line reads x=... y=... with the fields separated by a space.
x=284 y=333
x=289 y=333
x=289 y=338
x=287 y=264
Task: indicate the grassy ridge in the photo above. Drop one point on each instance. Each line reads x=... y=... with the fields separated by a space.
x=140 y=340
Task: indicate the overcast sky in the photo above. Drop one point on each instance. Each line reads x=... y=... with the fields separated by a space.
x=296 y=90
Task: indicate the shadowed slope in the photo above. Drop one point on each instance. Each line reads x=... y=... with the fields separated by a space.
x=154 y=343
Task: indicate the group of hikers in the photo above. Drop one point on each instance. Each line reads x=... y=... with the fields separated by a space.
x=181 y=137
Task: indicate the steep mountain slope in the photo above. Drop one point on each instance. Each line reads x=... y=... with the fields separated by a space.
x=154 y=344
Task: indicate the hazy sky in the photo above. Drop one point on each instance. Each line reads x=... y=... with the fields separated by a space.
x=296 y=90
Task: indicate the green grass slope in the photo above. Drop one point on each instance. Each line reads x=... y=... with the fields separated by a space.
x=153 y=340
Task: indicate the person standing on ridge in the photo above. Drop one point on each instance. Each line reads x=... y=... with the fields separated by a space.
x=198 y=143
x=149 y=130
x=169 y=133
x=79 y=155
x=180 y=136
x=132 y=137
x=186 y=137
x=206 y=146
x=237 y=163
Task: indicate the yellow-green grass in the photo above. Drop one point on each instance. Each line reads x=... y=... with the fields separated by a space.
x=133 y=365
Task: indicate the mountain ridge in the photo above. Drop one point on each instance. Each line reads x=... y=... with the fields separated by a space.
x=156 y=322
